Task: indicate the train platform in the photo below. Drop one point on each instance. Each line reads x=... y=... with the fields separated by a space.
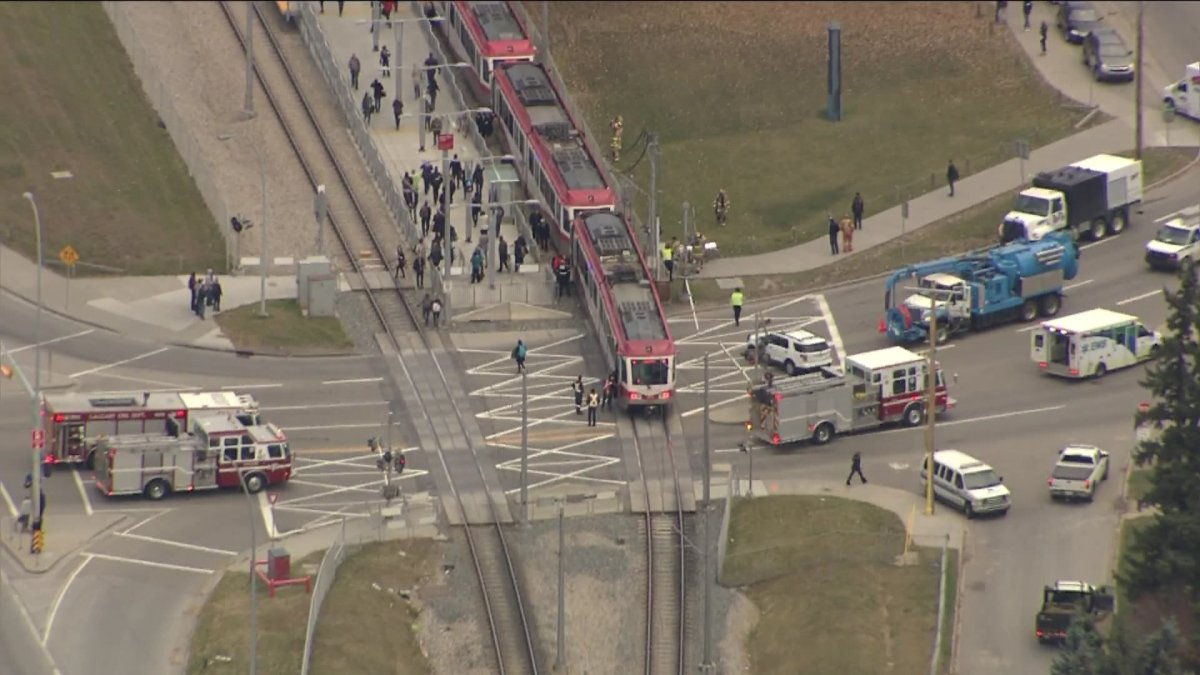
x=400 y=146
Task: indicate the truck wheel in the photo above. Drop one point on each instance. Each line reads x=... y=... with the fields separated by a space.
x=789 y=367
x=1029 y=310
x=255 y=482
x=1119 y=220
x=1050 y=304
x=823 y=433
x=157 y=489
x=1099 y=227
x=1101 y=371
x=914 y=415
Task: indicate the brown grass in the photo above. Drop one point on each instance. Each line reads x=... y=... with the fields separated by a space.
x=71 y=102
x=285 y=331
x=737 y=94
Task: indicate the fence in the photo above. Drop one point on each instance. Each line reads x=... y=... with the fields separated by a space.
x=326 y=574
x=153 y=84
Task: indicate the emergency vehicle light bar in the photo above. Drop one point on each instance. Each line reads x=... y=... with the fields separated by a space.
x=112 y=402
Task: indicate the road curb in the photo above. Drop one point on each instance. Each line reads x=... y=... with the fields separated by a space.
x=1178 y=174
x=952 y=667
x=20 y=560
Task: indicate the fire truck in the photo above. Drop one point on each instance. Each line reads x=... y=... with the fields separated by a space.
x=74 y=421
x=877 y=388
x=221 y=451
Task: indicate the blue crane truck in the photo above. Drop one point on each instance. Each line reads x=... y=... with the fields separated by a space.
x=979 y=289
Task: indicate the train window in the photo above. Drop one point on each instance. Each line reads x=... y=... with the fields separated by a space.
x=651 y=371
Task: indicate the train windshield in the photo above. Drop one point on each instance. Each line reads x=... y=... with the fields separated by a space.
x=650 y=371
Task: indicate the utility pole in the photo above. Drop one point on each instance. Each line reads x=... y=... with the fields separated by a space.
x=652 y=140
x=376 y=8
x=1137 y=93
x=524 y=449
x=35 y=488
x=931 y=404
x=253 y=577
x=262 y=231
x=560 y=659
x=248 y=104
x=706 y=664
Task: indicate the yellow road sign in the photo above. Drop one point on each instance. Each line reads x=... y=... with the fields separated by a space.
x=69 y=256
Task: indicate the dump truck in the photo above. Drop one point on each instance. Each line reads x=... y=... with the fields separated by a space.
x=1063 y=601
x=1090 y=198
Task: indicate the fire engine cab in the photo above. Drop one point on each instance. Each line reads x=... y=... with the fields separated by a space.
x=220 y=453
x=879 y=387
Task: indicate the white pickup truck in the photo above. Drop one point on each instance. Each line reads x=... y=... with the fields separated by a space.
x=1078 y=473
x=1177 y=241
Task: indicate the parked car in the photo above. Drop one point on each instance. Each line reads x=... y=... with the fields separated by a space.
x=797 y=350
x=1076 y=20
x=1107 y=55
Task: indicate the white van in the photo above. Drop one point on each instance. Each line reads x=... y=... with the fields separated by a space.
x=967 y=483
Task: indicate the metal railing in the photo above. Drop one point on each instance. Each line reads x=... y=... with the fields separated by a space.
x=326 y=574
x=153 y=79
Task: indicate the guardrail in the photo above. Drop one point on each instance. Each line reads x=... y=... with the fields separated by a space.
x=326 y=574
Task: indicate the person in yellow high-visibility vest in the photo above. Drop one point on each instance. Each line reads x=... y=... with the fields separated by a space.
x=668 y=262
x=736 y=300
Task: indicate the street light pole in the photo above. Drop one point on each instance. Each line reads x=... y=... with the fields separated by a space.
x=524 y=449
x=35 y=495
x=262 y=224
x=560 y=660
x=1137 y=92
x=931 y=407
x=706 y=664
x=253 y=576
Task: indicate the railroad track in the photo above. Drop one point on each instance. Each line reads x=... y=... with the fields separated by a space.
x=666 y=580
x=351 y=212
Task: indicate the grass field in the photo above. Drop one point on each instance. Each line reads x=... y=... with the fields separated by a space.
x=72 y=103
x=972 y=228
x=822 y=573
x=737 y=95
x=285 y=331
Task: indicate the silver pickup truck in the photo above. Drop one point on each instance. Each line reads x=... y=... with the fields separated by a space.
x=1078 y=473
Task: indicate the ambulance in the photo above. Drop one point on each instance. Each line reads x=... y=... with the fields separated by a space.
x=1091 y=343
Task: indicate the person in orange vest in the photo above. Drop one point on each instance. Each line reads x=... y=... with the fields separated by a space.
x=847 y=233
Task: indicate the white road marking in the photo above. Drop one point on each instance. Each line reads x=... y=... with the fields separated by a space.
x=1097 y=243
x=687 y=290
x=941 y=348
x=314 y=406
x=1078 y=284
x=56 y=340
x=268 y=514
x=1026 y=329
x=360 y=380
x=122 y=362
x=1000 y=416
x=180 y=544
x=252 y=386
x=717 y=404
x=835 y=335
x=12 y=508
x=146 y=520
x=1168 y=216
x=897 y=466
x=62 y=592
x=148 y=563
x=87 y=503
x=1135 y=298
x=171 y=386
x=323 y=427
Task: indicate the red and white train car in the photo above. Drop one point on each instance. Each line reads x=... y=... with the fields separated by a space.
x=485 y=34
x=554 y=160
x=625 y=309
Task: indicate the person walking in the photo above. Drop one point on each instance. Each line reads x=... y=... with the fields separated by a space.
x=432 y=90
x=847 y=233
x=606 y=393
x=426 y=308
x=1042 y=31
x=951 y=176
x=577 y=389
x=856 y=468
x=341 y=6
x=419 y=271
x=518 y=353
x=562 y=273
x=400 y=262
x=385 y=61
x=593 y=404
x=736 y=299
x=503 y=249
x=477 y=266
x=397 y=111
x=476 y=209
x=426 y=213
x=192 y=288
x=436 y=309
x=214 y=293
x=721 y=207
x=1027 y=8
x=834 y=231
x=355 y=67
x=519 y=249
x=377 y=93
x=438 y=184
x=201 y=298
x=416 y=83
x=456 y=173
x=856 y=208
x=368 y=108
x=477 y=178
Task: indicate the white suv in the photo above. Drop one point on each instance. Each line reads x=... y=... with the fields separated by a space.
x=797 y=350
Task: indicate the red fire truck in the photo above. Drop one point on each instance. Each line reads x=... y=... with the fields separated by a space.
x=220 y=453
x=74 y=421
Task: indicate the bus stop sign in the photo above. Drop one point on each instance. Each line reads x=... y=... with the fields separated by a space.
x=445 y=141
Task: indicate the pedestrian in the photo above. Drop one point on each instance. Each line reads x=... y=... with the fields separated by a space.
x=612 y=389
x=577 y=389
x=847 y=233
x=857 y=207
x=736 y=299
x=355 y=66
x=368 y=108
x=477 y=266
x=477 y=178
x=1027 y=8
x=668 y=262
x=426 y=213
x=519 y=249
x=951 y=176
x=451 y=187
x=456 y=172
x=562 y=273
x=400 y=262
x=432 y=90
x=439 y=224
x=435 y=253
x=426 y=176
x=834 y=230
x=192 y=288
x=483 y=246
x=385 y=61
x=606 y=393
x=518 y=355
x=397 y=111
x=410 y=201
x=856 y=468
x=1043 y=30
x=431 y=63
x=321 y=4
x=201 y=299
x=377 y=92
x=1001 y=5
x=721 y=207
x=593 y=404
x=419 y=270
x=476 y=208
x=416 y=83
x=341 y=6
x=503 y=247
x=436 y=309
x=438 y=183
x=214 y=292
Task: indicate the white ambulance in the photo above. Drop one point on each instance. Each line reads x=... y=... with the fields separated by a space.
x=1184 y=96
x=1091 y=343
